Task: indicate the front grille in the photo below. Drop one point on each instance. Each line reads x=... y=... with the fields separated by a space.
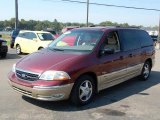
x=27 y=76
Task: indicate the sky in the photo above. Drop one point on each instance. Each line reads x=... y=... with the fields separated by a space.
x=73 y=12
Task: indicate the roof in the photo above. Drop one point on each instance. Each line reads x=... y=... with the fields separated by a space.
x=33 y=31
x=105 y=28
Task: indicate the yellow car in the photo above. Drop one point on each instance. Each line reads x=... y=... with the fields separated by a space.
x=31 y=41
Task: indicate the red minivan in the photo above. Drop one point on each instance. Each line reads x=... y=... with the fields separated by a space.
x=82 y=62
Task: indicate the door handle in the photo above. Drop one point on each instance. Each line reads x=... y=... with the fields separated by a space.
x=130 y=55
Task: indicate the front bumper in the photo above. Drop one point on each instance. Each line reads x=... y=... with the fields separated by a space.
x=49 y=93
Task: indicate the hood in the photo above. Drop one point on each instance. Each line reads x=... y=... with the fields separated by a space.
x=46 y=43
x=41 y=61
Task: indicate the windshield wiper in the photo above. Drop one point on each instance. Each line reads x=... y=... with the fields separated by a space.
x=58 y=49
x=55 y=49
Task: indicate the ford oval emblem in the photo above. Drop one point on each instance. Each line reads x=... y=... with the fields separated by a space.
x=23 y=75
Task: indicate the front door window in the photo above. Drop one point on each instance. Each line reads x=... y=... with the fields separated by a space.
x=112 y=42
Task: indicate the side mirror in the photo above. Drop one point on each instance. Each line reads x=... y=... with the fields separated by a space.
x=106 y=51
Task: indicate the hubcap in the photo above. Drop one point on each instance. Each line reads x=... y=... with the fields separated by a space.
x=85 y=90
x=146 y=71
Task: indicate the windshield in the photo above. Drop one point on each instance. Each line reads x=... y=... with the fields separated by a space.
x=80 y=40
x=45 y=36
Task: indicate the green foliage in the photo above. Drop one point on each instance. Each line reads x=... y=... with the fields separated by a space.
x=109 y=23
x=58 y=26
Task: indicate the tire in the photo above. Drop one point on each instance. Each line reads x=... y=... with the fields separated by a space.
x=3 y=55
x=18 y=50
x=146 y=71
x=83 y=91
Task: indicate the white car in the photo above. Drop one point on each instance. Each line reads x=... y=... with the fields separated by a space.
x=31 y=41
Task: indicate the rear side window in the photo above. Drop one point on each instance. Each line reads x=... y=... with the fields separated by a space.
x=31 y=35
x=27 y=35
x=129 y=40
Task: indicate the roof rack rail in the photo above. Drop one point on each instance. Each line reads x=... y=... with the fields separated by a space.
x=128 y=27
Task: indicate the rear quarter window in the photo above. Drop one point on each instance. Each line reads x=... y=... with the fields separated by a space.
x=145 y=39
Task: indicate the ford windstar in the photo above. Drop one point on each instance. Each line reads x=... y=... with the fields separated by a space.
x=82 y=62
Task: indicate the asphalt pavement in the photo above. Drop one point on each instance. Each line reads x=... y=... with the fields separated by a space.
x=132 y=100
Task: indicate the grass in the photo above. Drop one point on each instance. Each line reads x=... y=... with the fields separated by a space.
x=7 y=38
x=8 y=42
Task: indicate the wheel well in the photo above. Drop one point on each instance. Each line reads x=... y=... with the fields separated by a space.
x=150 y=61
x=94 y=76
x=40 y=48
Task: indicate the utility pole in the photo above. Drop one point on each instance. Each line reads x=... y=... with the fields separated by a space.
x=87 y=12
x=16 y=14
x=159 y=28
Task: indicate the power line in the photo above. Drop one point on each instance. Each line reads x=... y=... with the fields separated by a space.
x=110 y=5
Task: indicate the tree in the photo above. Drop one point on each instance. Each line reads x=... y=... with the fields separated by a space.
x=41 y=25
x=57 y=25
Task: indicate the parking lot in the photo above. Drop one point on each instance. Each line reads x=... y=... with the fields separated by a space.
x=132 y=100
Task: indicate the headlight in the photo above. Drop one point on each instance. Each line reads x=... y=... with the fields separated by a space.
x=4 y=43
x=54 y=75
x=14 y=68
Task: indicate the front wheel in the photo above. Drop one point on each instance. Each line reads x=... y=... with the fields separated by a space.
x=83 y=90
x=146 y=71
x=40 y=48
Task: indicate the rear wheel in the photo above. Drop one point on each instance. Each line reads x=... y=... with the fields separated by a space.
x=146 y=71
x=83 y=90
x=18 y=50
